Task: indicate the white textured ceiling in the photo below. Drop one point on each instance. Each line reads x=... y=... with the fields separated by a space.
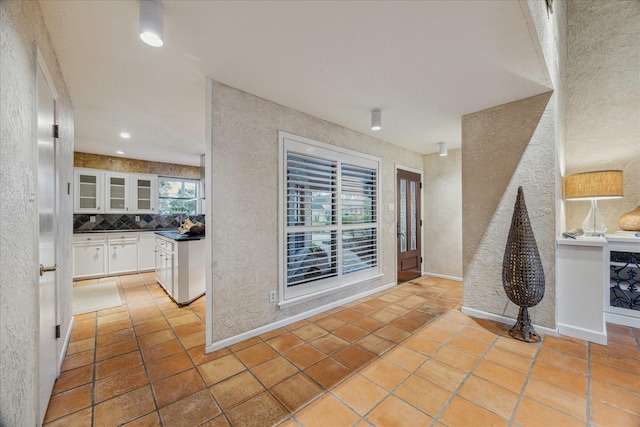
x=423 y=63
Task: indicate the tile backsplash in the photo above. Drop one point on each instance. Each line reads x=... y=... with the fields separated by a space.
x=103 y=222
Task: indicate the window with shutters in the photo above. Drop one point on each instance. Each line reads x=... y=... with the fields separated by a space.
x=329 y=200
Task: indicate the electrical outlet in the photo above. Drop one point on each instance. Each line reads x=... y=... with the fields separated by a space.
x=92 y=219
x=272 y=296
x=137 y=218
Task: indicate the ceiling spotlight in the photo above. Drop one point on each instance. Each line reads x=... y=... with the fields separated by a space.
x=119 y=152
x=376 y=119
x=151 y=22
x=125 y=135
x=442 y=148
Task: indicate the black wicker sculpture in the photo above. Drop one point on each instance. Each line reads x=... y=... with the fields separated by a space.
x=522 y=274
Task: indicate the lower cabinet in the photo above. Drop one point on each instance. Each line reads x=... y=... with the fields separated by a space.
x=180 y=268
x=146 y=254
x=164 y=264
x=102 y=254
x=123 y=253
x=89 y=258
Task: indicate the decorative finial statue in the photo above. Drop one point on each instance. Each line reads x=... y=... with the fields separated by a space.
x=522 y=273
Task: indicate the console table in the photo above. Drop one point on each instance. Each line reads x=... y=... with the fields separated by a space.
x=597 y=282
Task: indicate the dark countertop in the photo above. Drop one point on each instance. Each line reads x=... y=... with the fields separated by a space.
x=177 y=236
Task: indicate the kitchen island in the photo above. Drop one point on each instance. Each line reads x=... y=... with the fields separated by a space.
x=180 y=265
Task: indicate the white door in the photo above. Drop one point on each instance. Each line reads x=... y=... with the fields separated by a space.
x=47 y=240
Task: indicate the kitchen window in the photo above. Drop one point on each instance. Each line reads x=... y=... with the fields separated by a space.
x=329 y=205
x=178 y=196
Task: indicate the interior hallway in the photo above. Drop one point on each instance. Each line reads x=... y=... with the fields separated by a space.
x=402 y=357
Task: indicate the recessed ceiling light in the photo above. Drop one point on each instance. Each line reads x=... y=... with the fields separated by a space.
x=119 y=152
x=125 y=135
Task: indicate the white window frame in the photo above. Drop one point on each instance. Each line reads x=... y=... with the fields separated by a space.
x=303 y=292
x=184 y=180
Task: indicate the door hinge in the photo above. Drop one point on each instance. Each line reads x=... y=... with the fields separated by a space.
x=420 y=260
x=57 y=331
x=421 y=186
x=420 y=223
x=56 y=131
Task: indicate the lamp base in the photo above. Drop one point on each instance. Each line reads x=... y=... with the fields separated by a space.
x=594 y=224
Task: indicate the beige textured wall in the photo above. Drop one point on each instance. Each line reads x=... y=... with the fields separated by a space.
x=502 y=148
x=521 y=143
x=442 y=214
x=22 y=23
x=603 y=111
x=120 y=164
x=244 y=198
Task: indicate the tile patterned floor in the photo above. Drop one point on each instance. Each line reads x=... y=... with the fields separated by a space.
x=402 y=357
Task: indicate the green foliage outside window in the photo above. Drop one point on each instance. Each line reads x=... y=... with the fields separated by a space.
x=177 y=196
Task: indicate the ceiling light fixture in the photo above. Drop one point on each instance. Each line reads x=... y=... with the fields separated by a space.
x=442 y=148
x=376 y=119
x=125 y=135
x=119 y=152
x=151 y=22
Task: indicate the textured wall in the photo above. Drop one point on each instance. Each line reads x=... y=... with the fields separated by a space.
x=98 y=161
x=502 y=148
x=244 y=196
x=442 y=231
x=21 y=23
x=603 y=111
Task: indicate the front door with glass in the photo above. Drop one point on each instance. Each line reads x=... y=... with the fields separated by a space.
x=408 y=226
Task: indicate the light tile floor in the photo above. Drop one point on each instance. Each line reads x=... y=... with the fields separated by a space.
x=402 y=357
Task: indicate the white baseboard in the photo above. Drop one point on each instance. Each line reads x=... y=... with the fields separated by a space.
x=618 y=319
x=442 y=276
x=583 y=334
x=506 y=320
x=289 y=320
x=65 y=346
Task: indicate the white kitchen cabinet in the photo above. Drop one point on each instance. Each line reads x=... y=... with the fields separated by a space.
x=164 y=264
x=180 y=268
x=146 y=251
x=100 y=191
x=103 y=254
x=88 y=190
x=144 y=193
x=122 y=252
x=89 y=256
x=116 y=192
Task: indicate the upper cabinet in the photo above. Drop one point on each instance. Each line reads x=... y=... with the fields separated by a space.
x=117 y=192
x=100 y=191
x=144 y=193
x=88 y=191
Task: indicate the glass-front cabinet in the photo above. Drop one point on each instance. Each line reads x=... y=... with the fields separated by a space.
x=117 y=192
x=88 y=191
x=99 y=191
x=144 y=193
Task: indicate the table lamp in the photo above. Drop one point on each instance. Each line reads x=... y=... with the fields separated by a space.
x=593 y=186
